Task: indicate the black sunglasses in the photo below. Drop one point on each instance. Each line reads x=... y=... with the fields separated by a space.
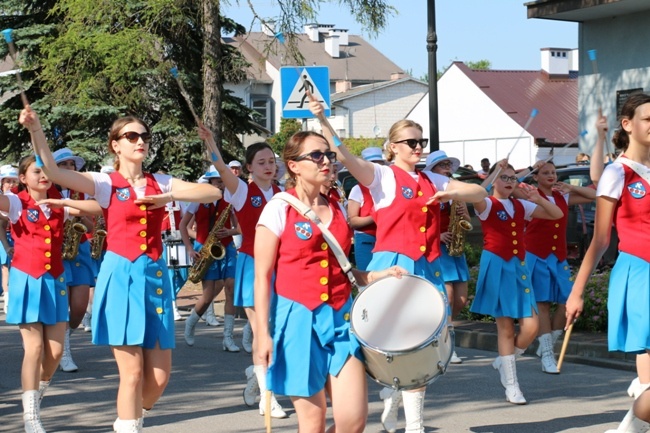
x=318 y=157
x=133 y=137
x=412 y=142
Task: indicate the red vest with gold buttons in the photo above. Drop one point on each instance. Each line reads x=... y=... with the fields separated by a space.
x=408 y=226
x=205 y=218
x=249 y=214
x=631 y=216
x=367 y=210
x=306 y=269
x=546 y=237
x=502 y=234
x=38 y=240
x=133 y=230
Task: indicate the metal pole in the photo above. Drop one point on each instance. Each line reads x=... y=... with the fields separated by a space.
x=432 y=47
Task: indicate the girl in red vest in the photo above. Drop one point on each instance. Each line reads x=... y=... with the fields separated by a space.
x=503 y=289
x=39 y=296
x=132 y=306
x=546 y=253
x=407 y=214
x=309 y=348
x=248 y=201
x=623 y=199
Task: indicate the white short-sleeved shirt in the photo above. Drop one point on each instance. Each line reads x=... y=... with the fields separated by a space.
x=16 y=209
x=356 y=195
x=238 y=199
x=274 y=216
x=104 y=187
x=612 y=181
x=529 y=208
x=382 y=188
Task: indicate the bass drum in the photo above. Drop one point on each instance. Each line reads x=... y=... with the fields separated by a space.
x=401 y=324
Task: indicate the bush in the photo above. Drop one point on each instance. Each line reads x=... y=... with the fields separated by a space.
x=594 y=314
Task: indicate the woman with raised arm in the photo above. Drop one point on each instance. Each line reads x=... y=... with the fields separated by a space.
x=406 y=202
x=248 y=200
x=623 y=200
x=132 y=306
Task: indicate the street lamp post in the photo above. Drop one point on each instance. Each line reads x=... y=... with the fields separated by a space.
x=432 y=47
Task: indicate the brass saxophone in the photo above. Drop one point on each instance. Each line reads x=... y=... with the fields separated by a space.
x=99 y=236
x=73 y=229
x=211 y=250
x=458 y=227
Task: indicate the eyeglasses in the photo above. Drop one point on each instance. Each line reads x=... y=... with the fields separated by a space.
x=508 y=179
x=444 y=164
x=133 y=137
x=318 y=157
x=412 y=142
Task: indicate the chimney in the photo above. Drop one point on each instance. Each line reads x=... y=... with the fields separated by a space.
x=555 y=61
x=268 y=28
x=312 y=31
x=332 y=46
x=397 y=76
x=343 y=86
x=343 y=35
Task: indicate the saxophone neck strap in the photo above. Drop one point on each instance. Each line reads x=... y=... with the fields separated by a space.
x=308 y=212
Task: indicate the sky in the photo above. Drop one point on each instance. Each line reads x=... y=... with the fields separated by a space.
x=468 y=30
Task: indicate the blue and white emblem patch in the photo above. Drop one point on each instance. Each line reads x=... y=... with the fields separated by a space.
x=303 y=230
x=407 y=192
x=256 y=200
x=502 y=215
x=32 y=215
x=123 y=194
x=636 y=189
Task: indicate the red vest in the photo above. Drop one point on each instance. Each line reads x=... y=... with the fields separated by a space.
x=367 y=210
x=503 y=235
x=631 y=216
x=306 y=269
x=445 y=216
x=205 y=217
x=133 y=230
x=408 y=226
x=249 y=214
x=38 y=240
x=546 y=237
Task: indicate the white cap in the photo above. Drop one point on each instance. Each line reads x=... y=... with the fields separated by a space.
x=211 y=173
x=8 y=171
x=234 y=163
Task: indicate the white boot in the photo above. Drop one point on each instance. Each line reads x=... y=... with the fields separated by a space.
x=42 y=387
x=177 y=314
x=228 y=328
x=86 y=322
x=413 y=410
x=548 y=358
x=555 y=335
x=276 y=409
x=508 y=372
x=252 y=389
x=631 y=424
x=392 y=399
x=67 y=363
x=127 y=425
x=190 y=324
x=209 y=317
x=5 y=295
x=247 y=338
x=31 y=412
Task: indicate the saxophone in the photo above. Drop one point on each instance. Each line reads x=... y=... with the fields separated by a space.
x=73 y=229
x=211 y=250
x=99 y=236
x=458 y=227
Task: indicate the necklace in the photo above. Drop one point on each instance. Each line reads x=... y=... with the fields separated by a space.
x=134 y=178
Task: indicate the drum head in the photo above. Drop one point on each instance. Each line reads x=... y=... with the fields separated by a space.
x=398 y=314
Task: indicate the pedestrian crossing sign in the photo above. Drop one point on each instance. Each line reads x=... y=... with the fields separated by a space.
x=295 y=82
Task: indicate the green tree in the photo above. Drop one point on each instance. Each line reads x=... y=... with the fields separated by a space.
x=288 y=127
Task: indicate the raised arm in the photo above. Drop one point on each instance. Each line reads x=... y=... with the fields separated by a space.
x=597 y=164
x=577 y=194
x=545 y=209
x=229 y=179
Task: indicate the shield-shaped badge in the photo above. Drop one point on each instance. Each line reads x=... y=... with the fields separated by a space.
x=502 y=215
x=123 y=194
x=303 y=230
x=636 y=189
x=256 y=200
x=407 y=192
x=32 y=215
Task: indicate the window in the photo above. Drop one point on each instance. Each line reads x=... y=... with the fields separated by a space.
x=263 y=105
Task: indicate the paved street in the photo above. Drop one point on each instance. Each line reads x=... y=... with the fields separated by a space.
x=205 y=393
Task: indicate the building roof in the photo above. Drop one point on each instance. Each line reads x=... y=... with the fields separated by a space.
x=517 y=93
x=359 y=61
x=366 y=88
x=582 y=10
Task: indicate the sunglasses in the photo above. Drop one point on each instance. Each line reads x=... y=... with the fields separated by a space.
x=508 y=179
x=133 y=137
x=413 y=142
x=318 y=157
x=444 y=164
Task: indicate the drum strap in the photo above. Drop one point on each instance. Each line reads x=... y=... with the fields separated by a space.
x=640 y=169
x=306 y=211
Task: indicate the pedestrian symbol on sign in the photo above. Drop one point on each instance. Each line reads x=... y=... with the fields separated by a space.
x=297 y=84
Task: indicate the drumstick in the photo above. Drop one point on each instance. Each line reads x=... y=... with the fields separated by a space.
x=582 y=134
x=565 y=343
x=267 y=411
x=594 y=68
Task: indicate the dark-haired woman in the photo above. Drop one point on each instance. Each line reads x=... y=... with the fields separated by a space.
x=623 y=200
x=132 y=306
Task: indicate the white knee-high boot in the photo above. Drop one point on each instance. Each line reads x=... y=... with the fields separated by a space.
x=548 y=358
x=127 y=425
x=228 y=329
x=508 y=372
x=630 y=423
x=209 y=317
x=190 y=324
x=276 y=409
x=42 y=387
x=31 y=412
x=413 y=411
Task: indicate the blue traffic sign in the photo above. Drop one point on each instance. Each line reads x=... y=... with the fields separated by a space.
x=295 y=82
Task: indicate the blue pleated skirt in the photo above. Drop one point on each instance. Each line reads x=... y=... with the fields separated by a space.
x=221 y=269
x=431 y=271
x=454 y=269
x=308 y=346
x=551 y=278
x=132 y=305
x=80 y=270
x=36 y=300
x=363 y=246
x=503 y=288
x=628 y=305
x=5 y=259
x=244 y=278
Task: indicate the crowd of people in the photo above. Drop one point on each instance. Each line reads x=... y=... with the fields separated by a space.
x=110 y=251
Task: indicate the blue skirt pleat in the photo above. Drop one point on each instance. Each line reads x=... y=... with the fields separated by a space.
x=454 y=269
x=36 y=300
x=81 y=270
x=551 y=278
